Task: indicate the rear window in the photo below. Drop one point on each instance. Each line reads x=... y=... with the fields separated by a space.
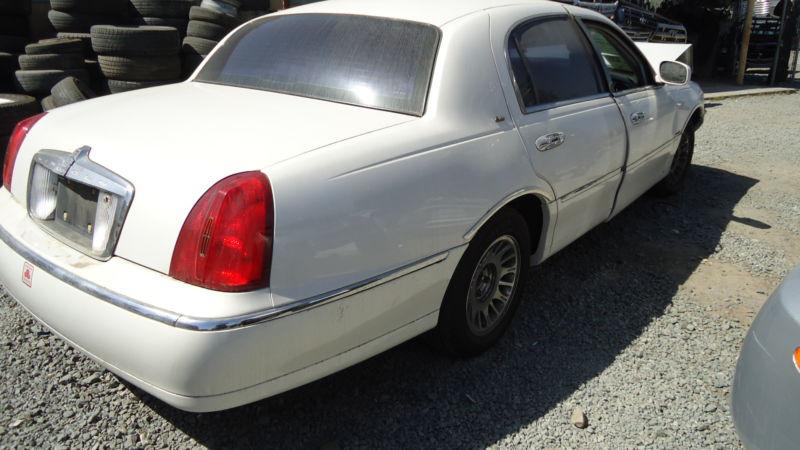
x=359 y=60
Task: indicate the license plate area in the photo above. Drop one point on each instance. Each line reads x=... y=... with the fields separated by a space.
x=76 y=208
x=78 y=201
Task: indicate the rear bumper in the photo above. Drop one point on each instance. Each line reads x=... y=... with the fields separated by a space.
x=766 y=391
x=200 y=369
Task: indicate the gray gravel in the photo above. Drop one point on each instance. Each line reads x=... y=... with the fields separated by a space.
x=638 y=323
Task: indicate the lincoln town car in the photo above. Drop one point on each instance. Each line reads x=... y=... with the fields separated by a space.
x=333 y=180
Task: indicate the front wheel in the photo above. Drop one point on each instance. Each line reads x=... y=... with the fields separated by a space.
x=673 y=182
x=486 y=288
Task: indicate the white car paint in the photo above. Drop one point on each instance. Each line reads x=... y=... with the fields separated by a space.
x=372 y=208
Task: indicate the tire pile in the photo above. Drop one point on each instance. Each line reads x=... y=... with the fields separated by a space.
x=73 y=19
x=135 y=57
x=167 y=13
x=208 y=24
x=47 y=62
x=14 y=34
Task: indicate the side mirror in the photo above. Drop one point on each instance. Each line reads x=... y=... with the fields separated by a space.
x=673 y=72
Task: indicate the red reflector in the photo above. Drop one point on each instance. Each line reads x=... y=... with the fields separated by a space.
x=797 y=358
x=226 y=242
x=14 y=144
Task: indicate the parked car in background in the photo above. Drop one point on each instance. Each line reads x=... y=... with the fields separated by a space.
x=766 y=387
x=335 y=179
x=637 y=20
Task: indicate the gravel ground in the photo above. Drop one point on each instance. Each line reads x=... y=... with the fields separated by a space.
x=638 y=323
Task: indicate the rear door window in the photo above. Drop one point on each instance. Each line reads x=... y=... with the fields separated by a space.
x=360 y=60
x=552 y=62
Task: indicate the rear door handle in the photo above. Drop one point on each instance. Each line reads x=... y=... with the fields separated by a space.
x=550 y=141
x=636 y=118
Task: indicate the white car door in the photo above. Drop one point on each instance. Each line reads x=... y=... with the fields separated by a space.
x=570 y=124
x=647 y=108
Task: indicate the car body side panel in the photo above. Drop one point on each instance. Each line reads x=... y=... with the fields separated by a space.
x=364 y=206
x=765 y=399
x=585 y=170
x=672 y=108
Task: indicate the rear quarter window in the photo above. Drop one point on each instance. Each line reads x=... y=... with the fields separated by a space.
x=360 y=60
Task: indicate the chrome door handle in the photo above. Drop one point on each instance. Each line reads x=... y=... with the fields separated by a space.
x=636 y=118
x=550 y=141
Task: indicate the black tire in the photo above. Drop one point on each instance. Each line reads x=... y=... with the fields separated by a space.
x=178 y=24
x=208 y=15
x=52 y=61
x=71 y=90
x=15 y=25
x=77 y=22
x=85 y=38
x=135 y=41
x=21 y=106
x=16 y=7
x=48 y=103
x=681 y=162
x=206 y=30
x=455 y=333
x=190 y=63
x=119 y=86
x=12 y=44
x=221 y=7
x=140 y=68
x=198 y=46
x=161 y=8
x=56 y=45
x=40 y=82
x=101 y=7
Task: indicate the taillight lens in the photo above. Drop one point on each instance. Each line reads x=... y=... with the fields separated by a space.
x=14 y=144
x=226 y=242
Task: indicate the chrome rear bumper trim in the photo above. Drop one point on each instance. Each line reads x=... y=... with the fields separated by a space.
x=210 y=324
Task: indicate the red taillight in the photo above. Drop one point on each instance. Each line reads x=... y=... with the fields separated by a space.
x=226 y=242
x=14 y=143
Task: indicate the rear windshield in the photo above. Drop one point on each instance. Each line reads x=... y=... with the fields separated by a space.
x=359 y=60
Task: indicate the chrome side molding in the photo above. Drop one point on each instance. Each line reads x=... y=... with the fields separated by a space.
x=211 y=324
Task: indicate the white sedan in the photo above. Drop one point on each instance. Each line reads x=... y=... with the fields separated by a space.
x=334 y=180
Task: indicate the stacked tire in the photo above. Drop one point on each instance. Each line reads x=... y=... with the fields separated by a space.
x=73 y=19
x=66 y=92
x=13 y=108
x=208 y=24
x=47 y=62
x=135 y=57
x=14 y=34
x=167 y=13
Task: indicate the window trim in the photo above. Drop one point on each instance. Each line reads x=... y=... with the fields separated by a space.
x=630 y=47
x=527 y=23
x=259 y=21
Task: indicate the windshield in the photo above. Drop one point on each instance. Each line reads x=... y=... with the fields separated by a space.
x=360 y=60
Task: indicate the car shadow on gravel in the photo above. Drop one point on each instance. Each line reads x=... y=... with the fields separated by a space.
x=583 y=308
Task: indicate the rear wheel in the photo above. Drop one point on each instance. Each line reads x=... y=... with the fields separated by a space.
x=673 y=182
x=486 y=287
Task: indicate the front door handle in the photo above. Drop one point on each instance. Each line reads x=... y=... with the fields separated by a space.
x=636 y=118
x=550 y=141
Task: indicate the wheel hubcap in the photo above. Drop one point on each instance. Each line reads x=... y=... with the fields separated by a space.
x=492 y=285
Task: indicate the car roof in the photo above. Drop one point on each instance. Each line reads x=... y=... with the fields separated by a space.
x=435 y=12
